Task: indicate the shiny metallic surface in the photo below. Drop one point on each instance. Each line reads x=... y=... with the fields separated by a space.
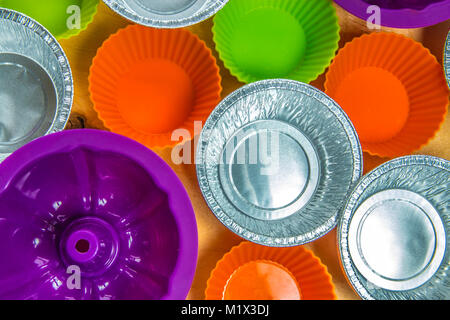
x=393 y=237
x=447 y=59
x=166 y=14
x=36 y=87
x=276 y=160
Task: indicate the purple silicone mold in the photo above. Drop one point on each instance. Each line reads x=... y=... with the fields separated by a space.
x=401 y=13
x=99 y=203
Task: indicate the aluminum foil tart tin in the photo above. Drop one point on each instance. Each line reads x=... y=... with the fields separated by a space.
x=394 y=233
x=36 y=86
x=166 y=14
x=447 y=59
x=276 y=160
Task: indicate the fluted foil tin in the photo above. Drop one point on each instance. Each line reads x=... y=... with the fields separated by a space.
x=276 y=160
x=447 y=59
x=395 y=231
x=166 y=14
x=36 y=87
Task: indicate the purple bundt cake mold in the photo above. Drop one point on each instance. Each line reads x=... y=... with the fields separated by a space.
x=97 y=205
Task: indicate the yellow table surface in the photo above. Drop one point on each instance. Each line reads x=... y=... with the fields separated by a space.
x=214 y=239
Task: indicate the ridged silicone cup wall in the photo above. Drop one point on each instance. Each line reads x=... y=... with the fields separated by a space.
x=145 y=83
x=393 y=90
x=266 y=39
x=55 y=15
x=254 y=272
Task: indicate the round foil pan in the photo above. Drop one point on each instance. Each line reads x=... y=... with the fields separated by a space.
x=36 y=85
x=394 y=233
x=276 y=160
x=166 y=14
x=447 y=59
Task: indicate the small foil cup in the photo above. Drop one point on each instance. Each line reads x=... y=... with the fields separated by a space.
x=167 y=13
x=276 y=160
x=394 y=233
x=447 y=59
x=36 y=86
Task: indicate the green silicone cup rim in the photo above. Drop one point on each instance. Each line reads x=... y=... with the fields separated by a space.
x=89 y=9
x=311 y=75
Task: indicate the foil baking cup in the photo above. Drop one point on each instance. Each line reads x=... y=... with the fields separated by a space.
x=394 y=233
x=166 y=14
x=36 y=86
x=276 y=160
x=447 y=59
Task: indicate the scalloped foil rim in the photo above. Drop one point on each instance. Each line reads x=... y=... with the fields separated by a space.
x=201 y=171
x=63 y=110
x=348 y=210
x=208 y=9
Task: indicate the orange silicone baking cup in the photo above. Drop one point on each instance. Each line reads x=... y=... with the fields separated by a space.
x=393 y=90
x=254 y=272
x=146 y=83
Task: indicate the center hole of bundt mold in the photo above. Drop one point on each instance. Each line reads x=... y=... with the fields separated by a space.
x=82 y=246
x=155 y=96
x=27 y=100
x=91 y=243
x=53 y=15
x=402 y=4
x=268 y=43
x=376 y=101
x=166 y=6
x=262 y=280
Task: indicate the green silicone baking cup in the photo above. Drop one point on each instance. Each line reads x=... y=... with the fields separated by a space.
x=266 y=39
x=62 y=18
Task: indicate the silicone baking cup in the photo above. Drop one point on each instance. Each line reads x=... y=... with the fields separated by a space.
x=99 y=203
x=401 y=13
x=145 y=83
x=58 y=16
x=265 y=39
x=393 y=90
x=254 y=272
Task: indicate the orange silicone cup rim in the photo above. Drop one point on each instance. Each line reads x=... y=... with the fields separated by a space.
x=327 y=278
x=366 y=37
x=168 y=142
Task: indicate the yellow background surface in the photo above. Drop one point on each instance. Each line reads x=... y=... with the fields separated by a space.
x=214 y=239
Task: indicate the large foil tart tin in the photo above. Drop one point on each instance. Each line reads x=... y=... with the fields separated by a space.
x=447 y=59
x=394 y=233
x=168 y=13
x=36 y=85
x=276 y=160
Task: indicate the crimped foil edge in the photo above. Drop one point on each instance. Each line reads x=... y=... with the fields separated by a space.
x=211 y=9
x=63 y=111
x=349 y=208
x=201 y=170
